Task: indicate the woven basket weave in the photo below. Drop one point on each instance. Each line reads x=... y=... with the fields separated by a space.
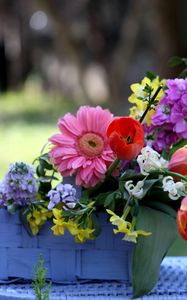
x=106 y=258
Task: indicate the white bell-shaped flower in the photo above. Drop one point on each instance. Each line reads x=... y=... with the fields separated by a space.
x=150 y=160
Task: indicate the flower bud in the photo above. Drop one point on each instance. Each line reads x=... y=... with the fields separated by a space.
x=126 y=137
x=178 y=161
x=182 y=219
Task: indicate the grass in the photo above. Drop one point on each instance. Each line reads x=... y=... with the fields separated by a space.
x=22 y=142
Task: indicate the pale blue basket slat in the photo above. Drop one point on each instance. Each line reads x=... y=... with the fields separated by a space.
x=107 y=257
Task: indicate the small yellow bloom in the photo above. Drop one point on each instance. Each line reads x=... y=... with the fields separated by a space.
x=59 y=227
x=57 y=213
x=81 y=234
x=34 y=227
x=58 y=220
x=84 y=234
x=138 y=92
x=37 y=218
x=131 y=236
x=123 y=226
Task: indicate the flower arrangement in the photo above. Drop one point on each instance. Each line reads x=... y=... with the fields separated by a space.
x=133 y=168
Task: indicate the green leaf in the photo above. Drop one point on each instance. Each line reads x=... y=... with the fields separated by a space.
x=162 y=207
x=66 y=213
x=110 y=201
x=44 y=187
x=148 y=185
x=45 y=164
x=47 y=178
x=128 y=174
x=150 y=250
x=40 y=171
x=165 y=154
x=96 y=225
x=11 y=207
x=45 y=157
x=39 y=284
x=183 y=74
x=150 y=75
x=126 y=195
x=100 y=199
x=175 y=61
x=148 y=89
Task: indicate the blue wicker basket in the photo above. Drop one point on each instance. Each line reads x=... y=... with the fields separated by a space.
x=106 y=258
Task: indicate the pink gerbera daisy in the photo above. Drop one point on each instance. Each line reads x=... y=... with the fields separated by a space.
x=82 y=148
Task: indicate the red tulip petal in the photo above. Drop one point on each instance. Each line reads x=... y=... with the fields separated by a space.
x=182 y=223
x=126 y=137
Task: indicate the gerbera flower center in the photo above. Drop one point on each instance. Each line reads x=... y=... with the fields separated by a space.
x=91 y=145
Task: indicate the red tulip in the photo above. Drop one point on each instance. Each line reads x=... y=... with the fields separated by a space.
x=178 y=161
x=126 y=137
x=182 y=219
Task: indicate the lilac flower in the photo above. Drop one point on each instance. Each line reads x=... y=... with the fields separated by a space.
x=64 y=193
x=169 y=122
x=3 y=198
x=19 y=184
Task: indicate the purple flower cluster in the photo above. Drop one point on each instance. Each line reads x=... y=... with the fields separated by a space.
x=64 y=193
x=19 y=185
x=169 y=122
x=3 y=198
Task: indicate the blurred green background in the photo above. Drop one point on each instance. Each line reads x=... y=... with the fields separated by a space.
x=56 y=55
x=28 y=117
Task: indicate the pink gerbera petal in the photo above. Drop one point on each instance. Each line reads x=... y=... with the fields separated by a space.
x=70 y=125
x=82 y=148
x=62 y=140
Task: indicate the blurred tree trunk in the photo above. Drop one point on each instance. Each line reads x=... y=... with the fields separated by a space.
x=123 y=38
x=166 y=33
x=4 y=67
x=145 y=30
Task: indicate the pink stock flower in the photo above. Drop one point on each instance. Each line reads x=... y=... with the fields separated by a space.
x=82 y=148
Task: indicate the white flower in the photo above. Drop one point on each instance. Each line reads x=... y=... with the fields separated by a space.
x=135 y=190
x=173 y=188
x=150 y=160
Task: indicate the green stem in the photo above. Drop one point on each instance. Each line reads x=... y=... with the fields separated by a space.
x=173 y=174
x=166 y=172
x=149 y=104
x=112 y=167
x=108 y=173
x=133 y=223
x=126 y=212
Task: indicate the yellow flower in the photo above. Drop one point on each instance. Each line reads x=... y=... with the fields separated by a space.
x=81 y=234
x=37 y=218
x=123 y=226
x=34 y=227
x=58 y=220
x=57 y=213
x=131 y=236
x=138 y=92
